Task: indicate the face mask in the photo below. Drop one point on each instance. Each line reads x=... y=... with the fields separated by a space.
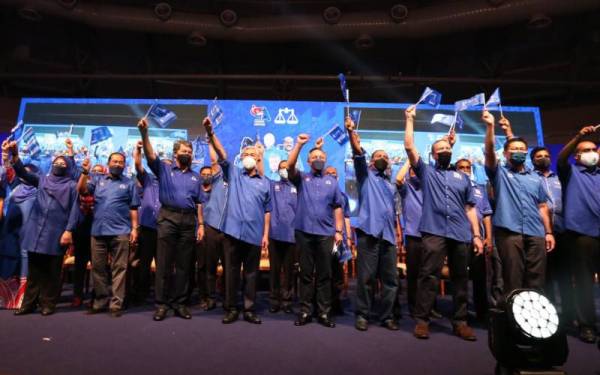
x=380 y=164
x=318 y=165
x=184 y=159
x=589 y=159
x=206 y=181
x=542 y=164
x=444 y=158
x=283 y=173
x=249 y=163
x=59 y=170
x=518 y=158
x=115 y=171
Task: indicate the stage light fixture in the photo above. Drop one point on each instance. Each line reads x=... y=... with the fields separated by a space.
x=163 y=11
x=364 y=41
x=197 y=39
x=228 y=17
x=30 y=14
x=539 y=21
x=67 y=4
x=527 y=335
x=399 y=12
x=332 y=15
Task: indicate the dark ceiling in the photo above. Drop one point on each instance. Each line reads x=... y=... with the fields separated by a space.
x=540 y=52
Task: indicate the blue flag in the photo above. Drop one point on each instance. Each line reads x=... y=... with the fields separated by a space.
x=343 y=86
x=215 y=113
x=494 y=100
x=430 y=97
x=465 y=104
x=31 y=143
x=100 y=134
x=448 y=120
x=338 y=134
x=16 y=132
x=355 y=116
x=162 y=115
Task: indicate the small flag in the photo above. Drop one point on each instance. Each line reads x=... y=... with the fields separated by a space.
x=440 y=118
x=346 y=255
x=215 y=113
x=31 y=143
x=162 y=115
x=430 y=97
x=338 y=134
x=355 y=116
x=465 y=104
x=494 y=100
x=16 y=132
x=343 y=87
x=100 y=134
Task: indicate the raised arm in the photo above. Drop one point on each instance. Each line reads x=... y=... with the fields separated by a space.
x=19 y=168
x=214 y=140
x=563 y=157
x=409 y=136
x=401 y=175
x=293 y=156
x=490 y=141
x=354 y=140
x=146 y=145
x=82 y=187
x=137 y=158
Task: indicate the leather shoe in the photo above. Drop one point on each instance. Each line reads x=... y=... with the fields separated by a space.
x=587 y=335
x=251 y=317
x=160 y=314
x=421 y=330
x=465 y=332
x=274 y=309
x=361 y=323
x=47 y=311
x=92 y=310
x=390 y=324
x=230 y=317
x=116 y=313
x=288 y=309
x=210 y=305
x=303 y=319
x=325 y=321
x=24 y=310
x=183 y=312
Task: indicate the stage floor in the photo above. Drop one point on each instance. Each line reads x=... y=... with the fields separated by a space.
x=71 y=342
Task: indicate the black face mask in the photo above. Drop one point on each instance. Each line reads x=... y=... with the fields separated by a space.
x=206 y=181
x=59 y=170
x=380 y=164
x=443 y=159
x=116 y=171
x=318 y=165
x=542 y=164
x=184 y=159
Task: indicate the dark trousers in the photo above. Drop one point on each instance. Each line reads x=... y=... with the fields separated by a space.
x=315 y=264
x=142 y=274
x=478 y=271
x=43 y=281
x=238 y=253
x=281 y=273
x=209 y=251
x=414 y=253
x=559 y=275
x=376 y=260
x=176 y=236
x=337 y=284
x=523 y=260
x=118 y=248
x=82 y=239
x=585 y=261
x=435 y=250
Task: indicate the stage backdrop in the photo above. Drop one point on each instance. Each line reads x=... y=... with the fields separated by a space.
x=107 y=125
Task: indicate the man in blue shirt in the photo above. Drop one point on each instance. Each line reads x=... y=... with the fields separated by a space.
x=246 y=224
x=521 y=220
x=114 y=227
x=318 y=223
x=178 y=225
x=581 y=183
x=448 y=226
x=282 y=244
x=207 y=258
x=376 y=233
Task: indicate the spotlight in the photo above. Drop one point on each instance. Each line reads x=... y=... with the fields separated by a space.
x=332 y=15
x=539 y=21
x=68 y=4
x=364 y=41
x=163 y=11
x=197 y=39
x=30 y=14
x=399 y=12
x=527 y=334
x=228 y=17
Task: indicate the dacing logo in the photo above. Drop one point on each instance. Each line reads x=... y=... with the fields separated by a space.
x=261 y=115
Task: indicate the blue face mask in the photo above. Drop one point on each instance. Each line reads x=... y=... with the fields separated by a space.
x=518 y=158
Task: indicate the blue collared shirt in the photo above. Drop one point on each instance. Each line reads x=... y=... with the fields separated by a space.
x=150 y=204
x=285 y=202
x=318 y=197
x=582 y=199
x=376 y=201
x=446 y=192
x=248 y=199
x=177 y=189
x=482 y=205
x=214 y=208
x=412 y=205
x=518 y=196
x=114 y=198
x=554 y=190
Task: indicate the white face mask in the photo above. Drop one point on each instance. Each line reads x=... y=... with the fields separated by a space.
x=283 y=173
x=249 y=163
x=589 y=159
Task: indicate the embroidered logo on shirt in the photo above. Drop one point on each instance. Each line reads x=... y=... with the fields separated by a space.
x=307 y=179
x=277 y=188
x=194 y=178
x=122 y=186
x=293 y=190
x=457 y=175
x=327 y=182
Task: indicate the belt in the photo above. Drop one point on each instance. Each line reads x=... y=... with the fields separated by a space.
x=179 y=210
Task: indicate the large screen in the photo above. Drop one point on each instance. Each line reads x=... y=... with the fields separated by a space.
x=103 y=126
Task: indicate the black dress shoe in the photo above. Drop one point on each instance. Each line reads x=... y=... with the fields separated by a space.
x=183 y=312
x=390 y=324
x=251 y=317
x=116 y=313
x=361 y=323
x=160 y=314
x=47 y=311
x=24 y=311
x=325 y=321
x=274 y=309
x=92 y=311
x=303 y=319
x=288 y=309
x=587 y=335
x=210 y=305
x=230 y=317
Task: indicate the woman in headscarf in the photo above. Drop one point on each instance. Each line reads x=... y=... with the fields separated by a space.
x=48 y=232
